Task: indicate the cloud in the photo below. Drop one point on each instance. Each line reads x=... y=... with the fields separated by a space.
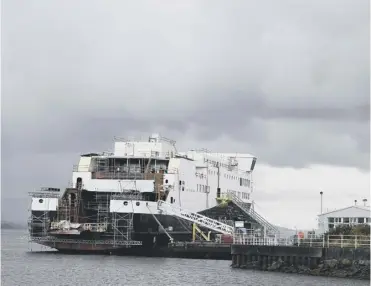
x=286 y=81
x=296 y=191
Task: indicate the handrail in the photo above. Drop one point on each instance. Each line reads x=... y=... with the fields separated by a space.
x=78 y=241
x=197 y=218
x=133 y=139
x=342 y=241
x=252 y=213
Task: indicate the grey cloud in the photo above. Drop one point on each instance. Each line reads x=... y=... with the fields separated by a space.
x=285 y=80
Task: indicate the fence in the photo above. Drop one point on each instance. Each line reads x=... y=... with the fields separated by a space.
x=342 y=241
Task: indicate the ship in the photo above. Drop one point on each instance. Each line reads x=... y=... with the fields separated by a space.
x=144 y=195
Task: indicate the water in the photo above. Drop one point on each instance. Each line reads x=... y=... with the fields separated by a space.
x=21 y=267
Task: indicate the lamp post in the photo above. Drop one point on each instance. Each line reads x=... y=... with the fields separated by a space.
x=321 y=193
x=364 y=202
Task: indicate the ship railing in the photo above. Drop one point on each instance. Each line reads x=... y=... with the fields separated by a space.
x=39 y=239
x=124 y=171
x=118 y=175
x=225 y=163
x=136 y=139
x=127 y=196
x=340 y=241
x=112 y=175
x=44 y=195
x=199 y=243
x=148 y=154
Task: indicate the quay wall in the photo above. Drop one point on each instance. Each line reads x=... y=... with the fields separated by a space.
x=317 y=261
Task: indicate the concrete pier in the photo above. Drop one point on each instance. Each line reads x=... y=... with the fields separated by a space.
x=336 y=261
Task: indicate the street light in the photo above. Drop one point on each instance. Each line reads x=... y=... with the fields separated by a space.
x=321 y=193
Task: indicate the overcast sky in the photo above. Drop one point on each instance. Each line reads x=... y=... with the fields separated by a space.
x=285 y=80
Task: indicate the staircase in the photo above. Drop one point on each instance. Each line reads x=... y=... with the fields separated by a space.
x=200 y=220
x=245 y=207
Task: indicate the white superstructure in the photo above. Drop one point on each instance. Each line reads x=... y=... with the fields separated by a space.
x=193 y=179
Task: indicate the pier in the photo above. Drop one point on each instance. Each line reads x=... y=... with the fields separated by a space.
x=336 y=255
x=201 y=250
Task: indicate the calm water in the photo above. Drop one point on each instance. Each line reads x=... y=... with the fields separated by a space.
x=19 y=266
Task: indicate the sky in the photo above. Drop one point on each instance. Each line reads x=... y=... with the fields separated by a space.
x=288 y=81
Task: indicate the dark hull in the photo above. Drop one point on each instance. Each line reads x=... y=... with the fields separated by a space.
x=221 y=252
x=144 y=228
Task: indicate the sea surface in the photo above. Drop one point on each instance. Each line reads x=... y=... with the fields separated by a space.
x=20 y=266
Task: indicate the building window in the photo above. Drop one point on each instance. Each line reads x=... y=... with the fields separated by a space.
x=346 y=219
x=361 y=220
x=331 y=220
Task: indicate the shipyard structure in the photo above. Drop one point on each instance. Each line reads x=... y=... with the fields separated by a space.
x=146 y=194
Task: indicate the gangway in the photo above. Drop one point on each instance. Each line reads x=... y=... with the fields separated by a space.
x=269 y=228
x=199 y=219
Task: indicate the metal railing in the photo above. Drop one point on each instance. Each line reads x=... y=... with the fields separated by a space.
x=78 y=241
x=134 y=139
x=197 y=218
x=342 y=241
x=258 y=218
x=118 y=175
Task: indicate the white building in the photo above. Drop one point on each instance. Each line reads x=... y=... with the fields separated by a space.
x=352 y=215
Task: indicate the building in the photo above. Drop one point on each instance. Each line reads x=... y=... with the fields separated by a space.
x=352 y=215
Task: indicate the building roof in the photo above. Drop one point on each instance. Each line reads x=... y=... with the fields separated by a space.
x=365 y=208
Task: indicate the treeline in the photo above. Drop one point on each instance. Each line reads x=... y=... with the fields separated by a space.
x=360 y=229
x=10 y=225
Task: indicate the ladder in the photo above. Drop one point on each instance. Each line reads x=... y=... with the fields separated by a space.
x=200 y=220
x=269 y=228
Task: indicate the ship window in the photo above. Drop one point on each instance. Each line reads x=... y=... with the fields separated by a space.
x=125 y=203
x=166 y=181
x=171 y=200
x=138 y=204
x=180 y=182
x=41 y=201
x=240 y=181
x=183 y=183
x=182 y=188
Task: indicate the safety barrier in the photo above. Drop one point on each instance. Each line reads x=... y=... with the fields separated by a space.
x=78 y=241
x=342 y=241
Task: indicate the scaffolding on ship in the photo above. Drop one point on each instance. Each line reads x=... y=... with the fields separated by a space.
x=116 y=228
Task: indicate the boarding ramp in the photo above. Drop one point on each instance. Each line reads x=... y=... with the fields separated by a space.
x=199 y=219
x=269 y=228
